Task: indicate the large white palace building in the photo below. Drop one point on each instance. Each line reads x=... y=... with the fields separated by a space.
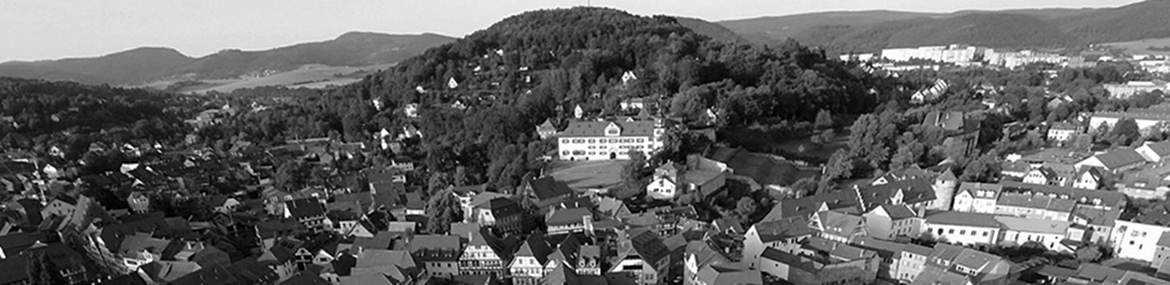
x=601 y=140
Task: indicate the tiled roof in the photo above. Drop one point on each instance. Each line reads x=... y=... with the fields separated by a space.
x=886 y=249
x=963 y=219
x=568 y=216
x=1120 y=157
x=1036 y=201
x=1097 y=216
x=535 y=246
x=840 y=224
x=306 y=208
x=1161 y=148
x=806 y=206
x=1033 y=225
x=597 y=129
x=898 y=212
x=913 y=191
x=1107 y=198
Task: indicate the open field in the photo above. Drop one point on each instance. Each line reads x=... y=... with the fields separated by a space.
x=588 y=174
x=1142 y=46
x=313 y=76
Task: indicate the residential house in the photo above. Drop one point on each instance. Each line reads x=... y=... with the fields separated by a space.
x=61 y=206
x=1089 y=178
x=308 y=211
x=1147 y=119
x=963 y=228
x=1049 y=233
x=888 y=221
x=974 y=197
x=838 y=226
x=1098 y=221
x=785 y=235
x=223 y=204
x=527 y=266
x=396 y=265
x=1116 y=160
x=1136 y=240
x=480 y=257
x=1064 y=132
x=912 y=262
x=845 y=200
x=1149 y=183
x=439 y=254
x=141 y=249
x=703 y=265
x=700 y=175
x=917 y=193
x=823 y=262
x=1155 y=152
x=888 y=252
x=1035 y=206
x=546 y=130
x=138 y=202
x=643 y=255
x=949 y=264
x=589 y=260
x=1161 y=255
x=502 y=213
x=567 y=221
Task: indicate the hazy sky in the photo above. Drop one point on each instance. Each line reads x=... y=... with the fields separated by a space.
x=47 y=29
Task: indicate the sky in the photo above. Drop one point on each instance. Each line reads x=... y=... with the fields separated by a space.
x=53 y=29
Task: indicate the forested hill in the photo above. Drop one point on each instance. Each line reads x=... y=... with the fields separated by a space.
x=1030 y=28
x=539 y=65
x=143 y=65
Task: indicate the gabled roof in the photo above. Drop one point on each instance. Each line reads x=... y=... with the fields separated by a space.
x=1120 y=157
x=963 y=219
x=305 y=208
x=781 y=229
x=388 y=194
x=1033 y=225
x=1161 y=148
x=568 y=216
x=885 y=249
x=217 y=274
x=729 y=274
x=913 y=191
x=536 y=246
x=897 y=212
x=1097 y=216
x=547 y=188
x=648 y=245
x=1036 y=201
x=1107 y=198
x=597 y=128
x=839 y=224
x=806 y=206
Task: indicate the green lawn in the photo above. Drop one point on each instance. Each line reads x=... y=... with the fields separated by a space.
x=588 y=174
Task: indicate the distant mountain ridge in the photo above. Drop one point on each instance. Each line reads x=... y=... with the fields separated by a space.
x=1019 y=28
x=146 y=64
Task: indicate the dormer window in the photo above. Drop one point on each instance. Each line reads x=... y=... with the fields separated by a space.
x=613 y=130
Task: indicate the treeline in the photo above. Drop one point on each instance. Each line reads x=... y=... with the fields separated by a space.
x=35 y=115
